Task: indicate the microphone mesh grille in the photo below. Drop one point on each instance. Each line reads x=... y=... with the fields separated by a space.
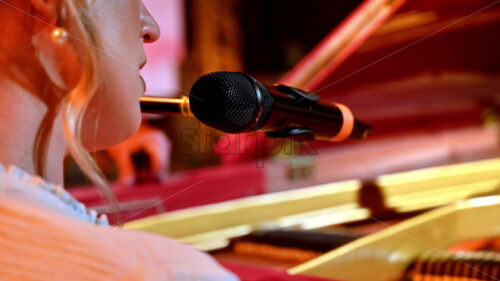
x=227 y=101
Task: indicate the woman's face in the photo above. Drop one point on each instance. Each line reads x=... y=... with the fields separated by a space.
x=114 y=114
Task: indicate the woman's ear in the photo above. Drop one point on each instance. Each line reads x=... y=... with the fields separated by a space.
x=47 y=10
x=53 y=47
x=58 y=58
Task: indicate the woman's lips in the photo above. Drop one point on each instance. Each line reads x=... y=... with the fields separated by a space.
x=142 y=78
x=143 y=64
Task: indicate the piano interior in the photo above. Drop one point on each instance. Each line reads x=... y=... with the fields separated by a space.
x=419 y=199
x=333 y=231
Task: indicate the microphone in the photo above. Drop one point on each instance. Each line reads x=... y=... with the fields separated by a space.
x=235 y=102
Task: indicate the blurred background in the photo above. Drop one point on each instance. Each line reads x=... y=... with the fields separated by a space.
x=263 y=38
x=423 y=74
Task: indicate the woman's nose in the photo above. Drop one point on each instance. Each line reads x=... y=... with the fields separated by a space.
x=150 y=30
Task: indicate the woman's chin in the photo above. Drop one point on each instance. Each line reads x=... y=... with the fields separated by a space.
x=111 y=136
x=105 y=142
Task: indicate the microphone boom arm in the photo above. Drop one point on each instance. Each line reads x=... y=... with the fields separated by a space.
x=166 y=106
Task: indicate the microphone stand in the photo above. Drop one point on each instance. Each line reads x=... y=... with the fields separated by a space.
x=166 y=106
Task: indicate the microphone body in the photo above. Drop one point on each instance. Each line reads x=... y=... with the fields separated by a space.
x=236 y=102
x=294 y=108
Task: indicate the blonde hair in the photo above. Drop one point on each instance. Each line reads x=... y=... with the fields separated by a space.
x=74 y=15
x=77 y=102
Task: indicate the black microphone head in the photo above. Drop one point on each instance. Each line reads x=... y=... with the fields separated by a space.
x=228 y=101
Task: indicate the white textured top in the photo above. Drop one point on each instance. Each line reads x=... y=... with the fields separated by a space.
x=45 y=234
x=18 y=184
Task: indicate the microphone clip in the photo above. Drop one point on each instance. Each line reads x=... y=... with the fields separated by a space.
x=296 y=133
x=300 y=96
